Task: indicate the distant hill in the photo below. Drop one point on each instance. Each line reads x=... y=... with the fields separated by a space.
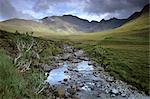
x=66 y=24
x=137 y=27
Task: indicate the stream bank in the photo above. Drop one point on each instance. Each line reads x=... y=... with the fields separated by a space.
x=75 y=76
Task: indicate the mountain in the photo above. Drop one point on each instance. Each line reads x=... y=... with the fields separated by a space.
x=74 y=23
x=66 y=24
x=137 y=28
x=137 y=14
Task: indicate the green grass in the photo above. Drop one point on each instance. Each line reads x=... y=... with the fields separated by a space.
x=14 y=84
x=126 y=51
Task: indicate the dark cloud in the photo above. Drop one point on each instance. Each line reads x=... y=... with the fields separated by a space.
x=46 y=4
x=115 y=7
x=8 y=11
x=87 y=9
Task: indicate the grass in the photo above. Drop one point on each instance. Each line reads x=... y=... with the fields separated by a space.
x=125 y=51
x=126 y=57
x=14 y=84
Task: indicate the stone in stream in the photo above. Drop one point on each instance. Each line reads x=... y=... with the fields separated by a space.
x=65 y=80
x=72 y=90
x=46 y=67
x=60 y=64
x=75 y=61
x=114 y=91
x=60 y=91
x=65 y=71
x=66 y=56
x=79 y=53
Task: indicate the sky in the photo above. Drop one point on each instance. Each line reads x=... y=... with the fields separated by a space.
x=86 y=9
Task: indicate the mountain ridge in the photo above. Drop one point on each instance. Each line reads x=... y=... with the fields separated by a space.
x=67 y=24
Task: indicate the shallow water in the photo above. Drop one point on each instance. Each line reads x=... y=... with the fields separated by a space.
x=91 y=82
x=58 y=75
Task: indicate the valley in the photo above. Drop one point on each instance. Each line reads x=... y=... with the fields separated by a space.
x=65 y=57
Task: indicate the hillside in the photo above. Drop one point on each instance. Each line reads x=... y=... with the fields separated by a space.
x=35 y=26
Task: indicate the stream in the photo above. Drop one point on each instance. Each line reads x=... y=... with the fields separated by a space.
x=80 y=78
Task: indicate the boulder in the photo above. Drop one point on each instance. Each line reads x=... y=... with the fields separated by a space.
x=61 y=91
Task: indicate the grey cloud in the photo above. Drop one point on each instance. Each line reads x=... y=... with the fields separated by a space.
x=104 y=6
x=7 y=11
x=121 y=8
x=46 y=4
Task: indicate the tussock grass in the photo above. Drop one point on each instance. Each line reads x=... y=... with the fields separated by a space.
x=14 y=84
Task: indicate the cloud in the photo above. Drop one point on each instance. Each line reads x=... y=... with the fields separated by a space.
x=87 y=9
x=7 y=11
x=119 y=8
x=46 y=4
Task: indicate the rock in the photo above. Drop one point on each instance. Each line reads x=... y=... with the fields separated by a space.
x=66 y=56
x=75 y=61
x=113 y=95
x=100 y=68
x=60 y=64
x=65 y=71
x=90 y=63
x=65 y=80
x=46 y=68
x=81 y=85
x=61 y=91
x=74 y=86
x=114 y=91
x=123 y=95
x=46 y=74
x=86 y=59
x=79 y=53
x=98 y=95
x=71 y=91
x=110 y=79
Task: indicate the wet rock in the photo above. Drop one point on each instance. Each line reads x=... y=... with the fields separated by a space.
x=65 y=71
x=65 y=80
x=98 y=95
x=86 y=59
x=110 y=79
x=123 y=95
x=100 y=68
x=75 y=60
x=90 y=63
x=75 y=70
x=114 y=91
x=60 y=64
x=113 y=95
